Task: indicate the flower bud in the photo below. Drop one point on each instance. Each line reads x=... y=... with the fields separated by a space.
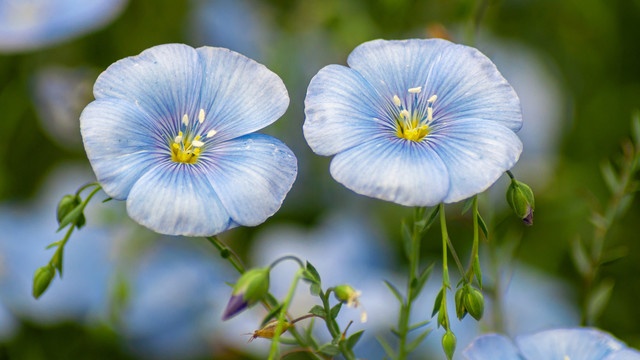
x=42 y=278
x=449 y=344
x=252 y=287
x=66 y=204
x=521 y=200
x=461 y=311
x=346 y=294
x=474 y=302
x=269 y=330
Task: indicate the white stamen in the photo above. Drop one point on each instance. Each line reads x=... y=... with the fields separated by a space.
x=415 y=90
x=396 y=100
x=201 y=116
x=178 y=139
x=404 y=114
x=433 y=98
x=197 y=143
x=185 y=120
x=211 y=133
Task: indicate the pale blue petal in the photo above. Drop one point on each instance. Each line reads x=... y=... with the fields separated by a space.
x=467 y=83
x=626 y=354
x=251 y=175
x=393 y=169
x=491 y=347
x=164 y=81
x=583 y=344
x=476 y=154
x=238 y=95
x=176 y=199
x=121 y=144
x=343 y=110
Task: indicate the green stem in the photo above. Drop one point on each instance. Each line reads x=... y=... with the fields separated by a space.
x=283 y=311
x=287 y=257
x=87 y=186
x=405 y=308
x=445 y=269
x=476 y=239
x=332 y=325
x=227 y=253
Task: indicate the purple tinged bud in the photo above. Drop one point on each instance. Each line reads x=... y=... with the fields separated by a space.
x=236 y=305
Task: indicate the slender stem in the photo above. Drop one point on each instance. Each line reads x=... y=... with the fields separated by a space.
x=332 y=325
x=227 y=253
x=86 y=186
x=445 y=240
x=476 y=239
x=405 y=308
x=287 y=257
x=510 y=174
x=456 y=259
x=283 y=311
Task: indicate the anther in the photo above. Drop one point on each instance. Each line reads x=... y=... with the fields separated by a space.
x=201 y=116
x=197 y=143
x=185 y=120
x=211 y=133
x=178 y=138
x=415 y=90
x=396 y=100
x=405 y=114
x=432 y=98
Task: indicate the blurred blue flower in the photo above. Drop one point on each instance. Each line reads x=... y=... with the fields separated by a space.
x=170 y=132
x=416 y=122
x=81 y=293
x=31 y=24
x=556 y=344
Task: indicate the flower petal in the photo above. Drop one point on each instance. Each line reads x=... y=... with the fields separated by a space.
x=251 y=175
x=583 y=344
x=491 y=347
x=467 y=83
x=120 y=144
x=164 y=81
x=238 y=95
x=176 y=199
x=393 y=169
x=626 y=354
x=342 y=110
x=476 y=154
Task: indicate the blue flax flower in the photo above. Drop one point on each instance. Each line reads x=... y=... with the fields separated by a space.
x=556 y=344
x=31 y=24
x=170 y=132
x=416 y=122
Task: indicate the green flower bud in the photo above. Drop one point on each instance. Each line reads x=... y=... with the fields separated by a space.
x=449 y=344
x=474 y=302
x=68 y=203
x=461 y=311
x=252 y=287
x=346 y=294
x=521 y=200
x=42 y=278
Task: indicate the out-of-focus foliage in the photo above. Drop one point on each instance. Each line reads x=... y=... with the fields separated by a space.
x=575 y=60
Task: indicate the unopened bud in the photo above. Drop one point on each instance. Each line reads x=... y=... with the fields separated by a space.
x=521 y=200
x=66 y=204
x=42 y=278
x=449 y=344
x=347 y=294
x=252 y=287
x=474 y=302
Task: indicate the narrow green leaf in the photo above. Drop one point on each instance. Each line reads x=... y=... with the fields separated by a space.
x=418 y=325
x=598 y=299
x=477 y=271
x=52 y=245
x=315 y=289
x=309 y=277
x=387 y=348
x=107 y=200
x=599 y=221
x=271 y=315
x=422 y=279
x=318 y=310
x=433 y=215
x=579 y=257
x=395 y=291
x=407 y=239
x=329 y=349
x=56 y=260
x=610 y=177
x=396 y=333
x=312 y=270
x=415 y=342
x=353 y=339
x=71 y=216
x=467 y=205
x=483 y=226
x=436 y=304
x=336 y=310
x=614 y=254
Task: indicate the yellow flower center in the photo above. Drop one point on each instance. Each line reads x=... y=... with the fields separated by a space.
x=188 y=145
x=413 y=119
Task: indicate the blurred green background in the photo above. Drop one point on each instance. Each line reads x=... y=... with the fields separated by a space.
x=582 y=58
